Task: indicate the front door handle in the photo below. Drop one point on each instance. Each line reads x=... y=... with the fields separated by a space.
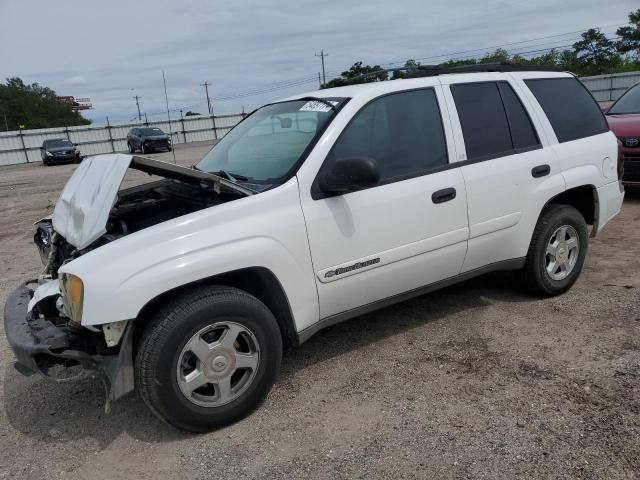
x=443 y=195
x=540 y=171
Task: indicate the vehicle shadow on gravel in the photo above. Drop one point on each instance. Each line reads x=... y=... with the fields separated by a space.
x=387 y=322
x=54 y=412
x=61 y=412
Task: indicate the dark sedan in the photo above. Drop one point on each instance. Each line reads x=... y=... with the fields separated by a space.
x=59 y=150
x=148 y=139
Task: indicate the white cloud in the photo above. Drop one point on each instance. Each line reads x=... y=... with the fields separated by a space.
x=250 y=45
x=75 y=81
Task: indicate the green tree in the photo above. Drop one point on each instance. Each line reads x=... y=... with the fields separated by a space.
x=499 y=56
x=630 y=36
x=568 y=60
x=358 y=73
x=409 y=66
x=597 y=54
x=34 y=106
x=458 y=63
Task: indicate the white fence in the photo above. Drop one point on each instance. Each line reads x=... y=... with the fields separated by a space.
x=24 y=146
x=606 y=88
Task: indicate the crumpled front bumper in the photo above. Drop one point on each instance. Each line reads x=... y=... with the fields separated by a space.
x=38 y=343
x=34 y=340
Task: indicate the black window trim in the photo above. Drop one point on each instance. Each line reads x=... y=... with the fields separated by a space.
x=317 y=194
x=604 y=117
x=506 y=153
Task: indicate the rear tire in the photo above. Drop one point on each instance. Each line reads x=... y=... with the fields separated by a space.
x=143 y=148
x=208 y=358
x=130 y=147
x=557 y=251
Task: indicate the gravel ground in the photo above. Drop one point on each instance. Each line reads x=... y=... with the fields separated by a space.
x=477 y=380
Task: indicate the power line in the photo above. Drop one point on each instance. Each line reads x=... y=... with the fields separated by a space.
x=300 y=81
x=508 y=44
x=451 y=55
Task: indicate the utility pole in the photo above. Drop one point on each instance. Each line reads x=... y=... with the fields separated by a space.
x=166 y=98
x=319 y=81
x=206 y=89
x=6 y=124
x=137 y=97
x=322 y=55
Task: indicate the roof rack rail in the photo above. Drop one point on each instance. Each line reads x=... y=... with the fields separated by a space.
x=432 y=70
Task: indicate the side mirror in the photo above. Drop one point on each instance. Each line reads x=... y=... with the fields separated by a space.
x=349 y=175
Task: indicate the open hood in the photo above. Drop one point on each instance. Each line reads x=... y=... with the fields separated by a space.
x=82 y=211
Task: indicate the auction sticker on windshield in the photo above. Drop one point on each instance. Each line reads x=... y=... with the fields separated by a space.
x=315 y=106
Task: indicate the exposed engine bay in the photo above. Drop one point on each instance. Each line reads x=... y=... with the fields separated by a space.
x=92 y=210
x=135 y=209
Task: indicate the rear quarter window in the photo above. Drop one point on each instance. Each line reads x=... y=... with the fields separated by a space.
x=570 y=108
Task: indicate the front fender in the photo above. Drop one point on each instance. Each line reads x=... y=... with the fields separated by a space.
x=265 y=230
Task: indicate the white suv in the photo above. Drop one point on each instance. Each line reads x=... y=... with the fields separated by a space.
x=312 y=210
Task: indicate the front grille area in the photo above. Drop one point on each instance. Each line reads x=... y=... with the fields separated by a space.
x=631 y=169
x=630 y=142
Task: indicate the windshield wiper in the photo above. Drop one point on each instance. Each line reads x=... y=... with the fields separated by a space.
x=321 y=100
x=234 y=177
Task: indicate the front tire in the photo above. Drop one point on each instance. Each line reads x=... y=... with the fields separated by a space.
x=208 y=358
x=557 y=251
x=143 y=148
x=130 y=147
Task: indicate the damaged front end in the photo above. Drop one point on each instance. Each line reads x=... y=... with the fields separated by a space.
x=43 y=318
x=45 y=341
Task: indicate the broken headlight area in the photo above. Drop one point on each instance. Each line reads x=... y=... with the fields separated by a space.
x=72 y=290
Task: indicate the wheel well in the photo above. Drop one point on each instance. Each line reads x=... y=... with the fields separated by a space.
x=583 y=198
x=257 y=281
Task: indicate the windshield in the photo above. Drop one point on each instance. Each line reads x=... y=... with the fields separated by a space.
x=59 y=143
x=151 y=131
x=627 y=103
x=268 y=144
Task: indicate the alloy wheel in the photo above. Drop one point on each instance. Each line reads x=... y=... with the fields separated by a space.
x=562 y=252
x=218 y=364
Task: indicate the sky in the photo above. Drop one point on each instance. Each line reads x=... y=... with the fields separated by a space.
x=257 y=51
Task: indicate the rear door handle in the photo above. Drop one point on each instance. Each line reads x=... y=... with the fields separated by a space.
x=540 y=171
x=443 y=195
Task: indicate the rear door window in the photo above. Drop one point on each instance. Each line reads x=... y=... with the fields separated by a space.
x=494 y=122
x=570 y=108
x=523 y=135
